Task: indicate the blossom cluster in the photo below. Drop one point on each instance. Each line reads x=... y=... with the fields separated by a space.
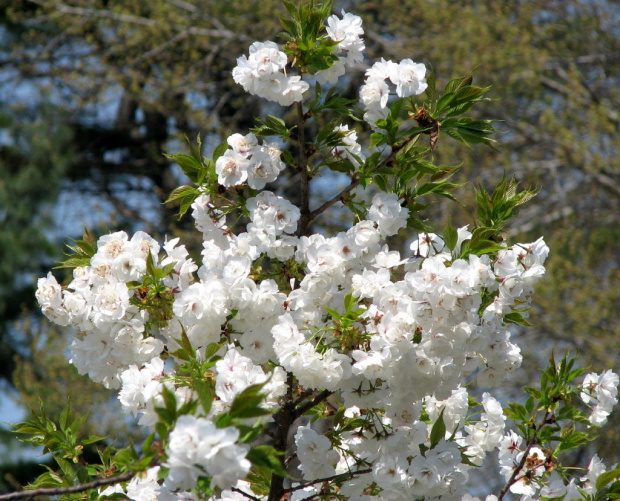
x=264 y=74
x=438 y=297
x=347 y=32
x=602 y=391
x=419 y=323
x=248 y=162
x=408 y=77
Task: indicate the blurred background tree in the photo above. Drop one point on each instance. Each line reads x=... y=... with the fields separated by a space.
x=92 y=92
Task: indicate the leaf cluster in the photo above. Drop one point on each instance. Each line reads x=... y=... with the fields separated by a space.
x=347 y=334
x=549 y=415
x=494 y=210
x=61 y=439
x=459 y=96
x=80 y=253
x=199 y=169
x=304 y=32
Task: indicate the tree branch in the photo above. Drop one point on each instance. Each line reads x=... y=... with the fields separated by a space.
x=57 y=491
x=245 y=494
x=530 y=443
x=300 y=411
x=305 y=217
x=285 y=418
x=143 y=21
x=611 y=114
x=355 y=181
x=335 y=478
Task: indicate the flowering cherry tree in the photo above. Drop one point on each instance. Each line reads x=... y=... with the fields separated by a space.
x=284 y=364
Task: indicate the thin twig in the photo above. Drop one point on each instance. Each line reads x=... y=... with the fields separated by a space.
x=161 y=48
x=305 y=394
x=530 y=443
x=300 y=411
x=129 y=18
x=355 y=181
x=245 y=494
x=57 y=491
x=335 y=478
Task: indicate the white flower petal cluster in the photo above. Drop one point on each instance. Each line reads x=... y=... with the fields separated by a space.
x=531 y=482
x=112 y=332
x=351 y=150
x=408 y=77
x=425 y=327
x=600 y=391
x=511 y=454
x=348 y=33
x=248 y=162
x=387 y=211
x=236 y=372
x=198 y=448
x=487 y=434
x=261 y=74
x=272 y=214
x=316 y=456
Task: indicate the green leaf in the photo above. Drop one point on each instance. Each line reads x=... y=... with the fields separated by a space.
x=65 y=416
x=260 y=480
x=186 y=343
x=605 y=478
x=66 y=467
x=516 y=317
x=271 y=126
x=169 y=400
x=247 y=403
x=463 y=100
x=289 y=26
x=80 y=253
x=516 y=412
x=438 y=431
x=430 y=92
x=185 y=196
x=268 y=458
x=219 y=151
x=47 y=479
x=450 y=236
x=206 y=395
x=457 y=83
x=189 y=165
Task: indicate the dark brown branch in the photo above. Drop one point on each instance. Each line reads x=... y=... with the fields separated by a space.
x=300 y=411
x=335 y=478
x=284 y=419
x=58 y=491
x=245 y=494
x=305 y=216
x=530 y=443
x=305 y=394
